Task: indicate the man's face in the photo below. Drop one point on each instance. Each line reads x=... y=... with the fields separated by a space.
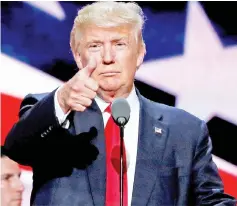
x=11 y=185
x=117 y=53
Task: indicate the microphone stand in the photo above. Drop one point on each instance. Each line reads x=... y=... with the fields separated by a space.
x=121 y=163
x=121 y=121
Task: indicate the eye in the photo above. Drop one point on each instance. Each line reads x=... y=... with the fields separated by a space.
x=120 y=44
x=94 y=47
x=6 y=177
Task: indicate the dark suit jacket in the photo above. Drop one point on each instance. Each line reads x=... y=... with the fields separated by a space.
x=173 y=167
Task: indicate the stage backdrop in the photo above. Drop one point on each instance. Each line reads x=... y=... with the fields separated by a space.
x=191 y=63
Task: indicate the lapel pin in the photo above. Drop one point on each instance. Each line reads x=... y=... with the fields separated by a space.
x=158 y=130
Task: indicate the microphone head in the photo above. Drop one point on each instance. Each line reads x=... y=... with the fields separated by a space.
x=120 y=111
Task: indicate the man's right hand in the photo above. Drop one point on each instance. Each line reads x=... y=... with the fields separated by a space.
x=78 y=92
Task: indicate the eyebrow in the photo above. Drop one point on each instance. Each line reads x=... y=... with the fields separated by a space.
x=94 y=40
x=3 y=176
x=113 y=40
x=10 y=175
x=120 y=39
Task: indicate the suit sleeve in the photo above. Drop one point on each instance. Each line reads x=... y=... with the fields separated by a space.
x=208 y=186
x=37 y=120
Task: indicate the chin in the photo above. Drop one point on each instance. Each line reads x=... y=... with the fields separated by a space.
x=112 y=85
x=110 y=88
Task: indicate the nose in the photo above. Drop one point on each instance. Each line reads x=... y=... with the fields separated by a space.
x=108 y=55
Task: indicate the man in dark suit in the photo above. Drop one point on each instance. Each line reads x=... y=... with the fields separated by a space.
x=61 y=134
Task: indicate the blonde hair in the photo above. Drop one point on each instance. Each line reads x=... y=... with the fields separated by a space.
x=106 y=15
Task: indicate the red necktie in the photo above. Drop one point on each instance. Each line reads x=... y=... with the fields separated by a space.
x=112 y=140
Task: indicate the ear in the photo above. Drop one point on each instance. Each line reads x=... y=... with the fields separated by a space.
x=141 y=54
x=77 y=58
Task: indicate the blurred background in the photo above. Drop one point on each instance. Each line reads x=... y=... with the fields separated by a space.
x=191 y=63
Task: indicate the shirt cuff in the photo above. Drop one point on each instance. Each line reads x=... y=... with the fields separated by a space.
x=61 y=116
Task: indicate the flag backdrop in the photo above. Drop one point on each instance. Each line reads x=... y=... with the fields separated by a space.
x=191 y=63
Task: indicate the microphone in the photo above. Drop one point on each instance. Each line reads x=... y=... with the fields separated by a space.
x=120 y=111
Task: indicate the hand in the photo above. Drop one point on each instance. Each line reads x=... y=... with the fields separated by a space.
x=78 y=92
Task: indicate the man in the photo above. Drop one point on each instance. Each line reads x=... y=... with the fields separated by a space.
x=63 y=135
x=11 y=185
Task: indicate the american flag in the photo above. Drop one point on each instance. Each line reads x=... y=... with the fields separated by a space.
x=191 y=63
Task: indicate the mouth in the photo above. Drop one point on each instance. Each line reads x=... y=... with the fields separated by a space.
x=110 y=74
x=17 y=200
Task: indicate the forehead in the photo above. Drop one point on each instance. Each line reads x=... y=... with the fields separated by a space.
x=9 y=166
x=91 y=33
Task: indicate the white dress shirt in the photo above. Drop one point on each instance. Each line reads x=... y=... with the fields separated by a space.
x=130 y=132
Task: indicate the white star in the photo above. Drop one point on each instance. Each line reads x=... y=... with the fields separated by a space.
x=204 y=79
x=51 y=7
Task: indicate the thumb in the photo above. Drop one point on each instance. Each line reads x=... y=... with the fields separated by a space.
x=90 y=67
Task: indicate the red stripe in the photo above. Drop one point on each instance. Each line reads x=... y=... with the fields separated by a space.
x=9 y=109
x=230 y=183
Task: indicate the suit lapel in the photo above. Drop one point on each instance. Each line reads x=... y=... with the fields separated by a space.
x=151 y=145
x=96 y=172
